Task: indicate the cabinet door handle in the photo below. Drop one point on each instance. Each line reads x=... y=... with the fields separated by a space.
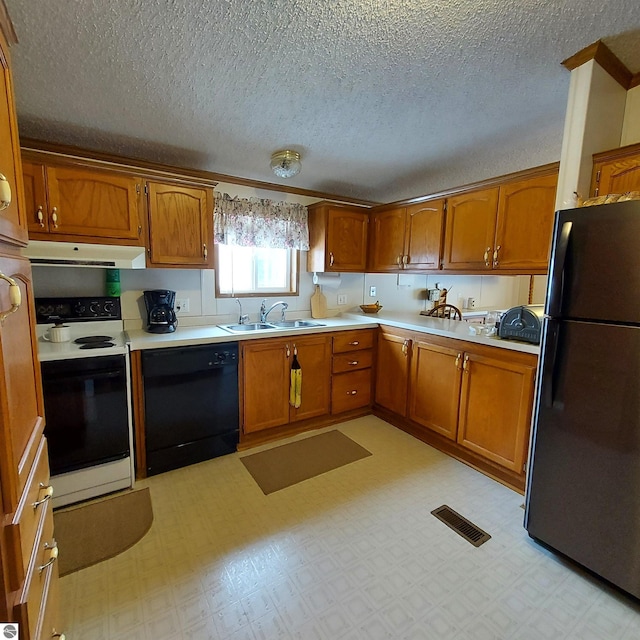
x=287 y=350
x=205 y=252
x=405 y=347
x=458 y=358
x=57 y=634
x=465 y=364
x=405 y=260
x=54 y=217
x=399 y=261
x=48 y=494
x=331 y=258
x=486 y=256
x=5 y=193
x=15 y=296
x=353 y=363
x=495 y=255
x=53 y=556
x=40 y=215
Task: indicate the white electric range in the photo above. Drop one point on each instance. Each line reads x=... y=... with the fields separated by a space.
x=87 y=397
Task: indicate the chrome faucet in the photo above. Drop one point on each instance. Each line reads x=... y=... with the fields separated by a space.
x=264 y=312
x=243 y=318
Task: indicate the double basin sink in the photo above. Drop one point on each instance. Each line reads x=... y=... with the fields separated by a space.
x=266 y=326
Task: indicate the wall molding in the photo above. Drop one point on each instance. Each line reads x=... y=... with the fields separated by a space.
x=599 y=52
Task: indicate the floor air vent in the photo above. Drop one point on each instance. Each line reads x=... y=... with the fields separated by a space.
x=461 y=525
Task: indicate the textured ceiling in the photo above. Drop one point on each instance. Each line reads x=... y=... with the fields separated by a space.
x=384 y=99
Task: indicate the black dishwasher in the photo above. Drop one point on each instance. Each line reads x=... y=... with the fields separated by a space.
x=190 y=404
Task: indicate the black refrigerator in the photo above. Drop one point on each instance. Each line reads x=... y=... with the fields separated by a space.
x=583 y=483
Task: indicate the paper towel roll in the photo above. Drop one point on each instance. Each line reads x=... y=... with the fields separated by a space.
x=329 y=280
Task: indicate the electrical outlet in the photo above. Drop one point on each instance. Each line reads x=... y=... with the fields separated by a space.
x=372 y=291
x=342 y=298
x=182 y=305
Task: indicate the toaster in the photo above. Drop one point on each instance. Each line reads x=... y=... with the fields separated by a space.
x=522 y=323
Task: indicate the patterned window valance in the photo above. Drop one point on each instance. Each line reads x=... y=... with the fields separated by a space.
x=255 y=222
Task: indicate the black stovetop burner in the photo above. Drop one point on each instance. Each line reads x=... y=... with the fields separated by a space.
x=95 y=342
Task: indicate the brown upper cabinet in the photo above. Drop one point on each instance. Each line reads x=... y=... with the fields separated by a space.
x=616 y=171
x=76 y=203
x=180 y=225
x=109 y=200
x=337 y=238
x=505 y=228
x=13 y=228
x=407 y=238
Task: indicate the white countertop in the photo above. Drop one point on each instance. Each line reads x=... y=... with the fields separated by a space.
x=448 y=329
x=194 y=335
x=187 y=336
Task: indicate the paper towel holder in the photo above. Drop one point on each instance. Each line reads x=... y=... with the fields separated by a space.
x=330 y=280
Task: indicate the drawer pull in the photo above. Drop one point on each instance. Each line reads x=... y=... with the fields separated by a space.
x=355 y=343
x=53 y=555
x=48 y=494
x=353 y=363
x=352 y=393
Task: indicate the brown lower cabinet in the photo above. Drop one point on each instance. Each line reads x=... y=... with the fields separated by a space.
x=472 y=401
x=266 y=380
x=336 y=380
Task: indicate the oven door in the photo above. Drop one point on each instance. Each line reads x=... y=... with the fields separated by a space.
x=85 y=403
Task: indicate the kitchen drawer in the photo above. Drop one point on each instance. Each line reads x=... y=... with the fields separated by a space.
x=350 y=391
x=29 y=607
x=352 y=340
x=21 y=532
x=352 y=361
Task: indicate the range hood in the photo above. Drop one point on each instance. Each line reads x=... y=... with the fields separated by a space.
x=72 y=254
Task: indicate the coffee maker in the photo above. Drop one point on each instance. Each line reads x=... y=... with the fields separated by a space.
x=161 y=317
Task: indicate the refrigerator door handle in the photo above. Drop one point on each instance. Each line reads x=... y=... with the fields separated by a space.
x=549 y=361
x=556 y=285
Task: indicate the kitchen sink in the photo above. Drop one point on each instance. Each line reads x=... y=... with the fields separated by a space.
x=250 y=326
x=296 y=324
x=266 y=326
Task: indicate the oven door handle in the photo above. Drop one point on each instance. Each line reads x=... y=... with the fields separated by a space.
x=87 y=375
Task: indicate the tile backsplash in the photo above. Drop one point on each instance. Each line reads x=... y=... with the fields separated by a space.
x=396 y=292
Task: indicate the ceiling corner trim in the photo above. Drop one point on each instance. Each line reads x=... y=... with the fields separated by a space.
x=599 y=52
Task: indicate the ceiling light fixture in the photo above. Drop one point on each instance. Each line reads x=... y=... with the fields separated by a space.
x=286 y=163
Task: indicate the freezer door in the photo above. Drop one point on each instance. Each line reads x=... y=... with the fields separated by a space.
x=595 y=264
x=583 y=490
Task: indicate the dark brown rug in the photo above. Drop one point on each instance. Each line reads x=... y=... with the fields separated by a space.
x=291 y=463
x=94 y=532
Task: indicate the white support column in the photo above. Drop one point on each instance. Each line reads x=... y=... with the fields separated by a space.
x=594 y=120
